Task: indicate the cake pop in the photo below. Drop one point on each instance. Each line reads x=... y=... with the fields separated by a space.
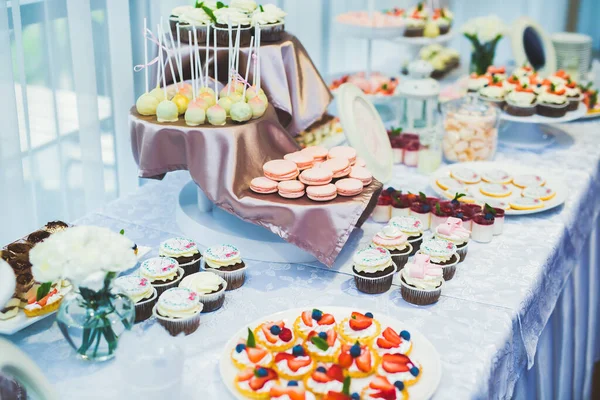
x=181 y=102
x=202 y=103
x=216 y=115
x=258 y=107
x=241 y=112
x=209 y=98
x=235 y=97
x=253 y=91
x=166 y=111
x=158 y=92
x=226 y=103
x=146 y=104
x=185 y=89
x=194 y=115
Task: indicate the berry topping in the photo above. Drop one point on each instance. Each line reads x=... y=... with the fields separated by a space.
x=255 y=354
x=355 y=396
x=358 y=322
x=240 y=347
x=489 y=216
x=355 y=350
x=307 y=318
x=460 y=215
x=298 y=350
x=275 y=330
x=261 y=372
x=390 y=190
x=327 y=319
x=317 y=314
x=393 y=363
x=369 y=315
x=321 y=369
x=323 y=335
x=414 y=371
x=285 y=335
x=405 y=335
x=336 y=372
x=295 y=383
x=399 y=385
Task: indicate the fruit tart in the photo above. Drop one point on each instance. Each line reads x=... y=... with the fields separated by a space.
x=46 y=299
x=380 y=387
x=324 y=378
x=323 y=346
x=391 y=341
x=293 y=364
x=359 y=359
x=313 y=320
x=256 y=382
x=399 y=367
x=275 y=336
x=293 y=390
x=249 y=354
x=344 y=394
x=359 y=326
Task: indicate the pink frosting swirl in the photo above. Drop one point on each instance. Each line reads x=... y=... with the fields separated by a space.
x=389 y=237
x=421 y=268
x=453 y=229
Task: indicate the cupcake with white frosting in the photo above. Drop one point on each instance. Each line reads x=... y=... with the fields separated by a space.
x=234 y=17
x=210 y=288
x=476 y=82
x=184 y=251
x=141 y=292
x=521 y=102
x=453 y=231
x=552 y=102
x=178 y=311
x=443 y=253
x=226 y=261
x=493 y=93
x=574 y=95
x=396 y=242
x=373 y=270
x=421 y=281
x=271 y=20
x=163 y=273
x=411 y=226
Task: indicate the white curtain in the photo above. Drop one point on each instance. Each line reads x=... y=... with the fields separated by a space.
x=65 y=97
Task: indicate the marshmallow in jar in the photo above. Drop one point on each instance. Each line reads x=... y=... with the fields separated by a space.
x=470 y=130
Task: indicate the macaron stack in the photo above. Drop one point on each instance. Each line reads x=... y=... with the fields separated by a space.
x=320 y=173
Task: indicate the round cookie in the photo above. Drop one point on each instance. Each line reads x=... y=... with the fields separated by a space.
x=322 y=193
x=465 y=175
x=362 y=174
x=496 y=176
x=346 y=152
x=316 y=176
x=451 y=184
x=291 y=189
x=262 y=185
x=349 y=187
x=527 y=180
x=526 y=203
x=302 y=160
x=318 y=153
x=495 y=190
x=280 y=170
x=538 y=192
x=340 y=167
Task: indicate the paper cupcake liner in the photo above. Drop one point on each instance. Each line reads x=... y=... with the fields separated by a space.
x=416 y=245
x=449 y=270
x=143 y=309
x=160 y=288
x=222 y=32
x=213 y=301
x=175 y=326
x=419 y=297
x=235 y=279
x=462 y=252
x=374 y=285
x=190 y=268
x=272 y=32
x=401 y=259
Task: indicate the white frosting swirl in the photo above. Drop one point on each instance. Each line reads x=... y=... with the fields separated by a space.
x=178 y=303
x=246 y=6
x=521 y=99
x=439 y=250
x=222 y=256
x=271 y=14
x=178 y=247
x=324 y=387
x=493 y=92
x=195 y=16
x=202 y=282
x=410 y=225
x=552 y=98
x=180 y=10
x=285 y=368
x=159 y=269
x=572 y=92
x=351 y=333
x=331 y=350
x=372 y=259
x=242 y=358
x=233 y=16
x=476 y=83
x=429 y=282
x=135 y=287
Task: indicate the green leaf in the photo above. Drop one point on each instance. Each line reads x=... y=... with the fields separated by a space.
x=437 y=208
x=346 y=387
x=261 y=8
x=122 y=231
x=198 y=4
x=320 y=343
x=552 y=87
x=489 y=209
x=395 y=131
x=220 y=4
x=251 y=341
x=384 y=86
x=422 y=197
x=210 y=14
x=458 y=196
x=43 y=290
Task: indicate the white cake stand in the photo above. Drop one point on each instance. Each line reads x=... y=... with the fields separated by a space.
x=208 y=225
x=536 y=132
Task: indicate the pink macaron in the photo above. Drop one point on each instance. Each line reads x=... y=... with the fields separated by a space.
x=262 y=185
x=318 y=153
x=349 y=187
x=280 y=170
x=346 y=152
x=340 y=167
x=316 y=176
x=291 y=189
x=362 y=174
x=360 y=162
x=302 y=160
x=322 y=193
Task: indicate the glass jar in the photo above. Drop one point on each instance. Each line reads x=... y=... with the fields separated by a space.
x=430 y=150
x=470 y=130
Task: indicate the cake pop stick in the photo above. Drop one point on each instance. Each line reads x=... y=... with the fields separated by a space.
x=254 y=63
x=196 y=55
x=177 y=55
x=258 y=58
x=216 y=69
x=192 y=69
x=230 y=61
x=164 y=37
x=248 y=67
x=199 y=71
x=160 y=57
x=237 y=47
x=146 y=55
x=206 y=55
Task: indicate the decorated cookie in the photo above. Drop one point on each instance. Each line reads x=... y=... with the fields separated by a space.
x=178 y=303
x=359 y=326
x=538 y=192
x=465 y=175
x=159 y=269
x=391 y=341
x=495 y=190
x=496 y=176
x=409 y=225
x=275 y=336
x=178 y=247
x=313 y=320
x=359 y=359
x=399 y=367
x=450 y=184
x=527 y=180
x=294 y=364
x=222 y=255
x=440 y=251
x=135 y=287
x=380 y=387
x=323 y=346
x=256 y=382
x=526 y=203
x=247 y=353
x=325 y=378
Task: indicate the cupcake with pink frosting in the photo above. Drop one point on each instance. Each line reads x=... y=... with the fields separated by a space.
x=421 y=281
x=396 y=242
x=454 y=231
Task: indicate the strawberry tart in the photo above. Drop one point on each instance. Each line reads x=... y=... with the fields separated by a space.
x=359 y=359
x=359 y=326
x=293 y=390
x=391 y=341
x=323 y=346
x=275 y=336
x=294 y=364
x=380 y=387
x=256 y=382
x=325 y=378
x=313 y=320
x=400 y=367
x=248 y=354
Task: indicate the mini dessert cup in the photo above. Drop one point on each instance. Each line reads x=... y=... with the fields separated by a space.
x=465 y=215
x=411 y=153
x=498 y=221
x=552 y=110
x=161 y=287
x=439 y=214
x=421 y=211
x=176 y=326
x=417 y=296
x=272 y=32
x=143 y=309
x=483 y=228
x=401 y=204
x=383 y=210
x=375 y=283
x=472 y=208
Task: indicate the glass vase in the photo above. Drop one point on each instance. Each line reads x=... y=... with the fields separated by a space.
x=482 y=56
x=93 y=320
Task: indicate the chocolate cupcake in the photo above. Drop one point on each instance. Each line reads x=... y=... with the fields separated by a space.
x=574 y=96
x=210 y=288
x=521 y=102
x=421 y=281
x=453 y=231
x=141 y=292
x=493 y=93
x=162 y=272
x=373 y=270
x=443 y=253
x=552 y=103
x=225 y=260
x=184 y=251
x=37 y=236
x=396 y=242
x=227 y=16
x=413 y=228
x=178 y=311
x=270 y=19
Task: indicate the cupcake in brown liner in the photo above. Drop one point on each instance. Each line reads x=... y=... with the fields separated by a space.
x=163 y=273
x=421 y=281
x=191 y=19
x=229 y=16
x=210 y=288
x=373 y=270
x=552 y=102
x=38 y=236
x=413 y=228
x=493 y=93
x=141 y=292
x=443 y=253
x=184 y=251
x=453 y=231
x=396 y=242
x=574 y=96
x=225 y=260
x=270 y=19
x=178 y=311
x=521 y=102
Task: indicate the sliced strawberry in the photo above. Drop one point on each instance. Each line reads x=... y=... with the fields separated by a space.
x=389 y=394
x=321 y=377
x=277 y=391
x=245 y=374
x=255 y=354
x=257 y=383
x=336 y=372
x=393 y=363
x=331 y=337
x=297 y=363
x=385 y=344
x=331 y=395
x=381 y=382
x=363 y=362
x=307 y=318
x=345 y=359
x=327 y=319
x=311 y=334
x=266 y=328
x=359 y=325
x=392 y=336
x=283 y=356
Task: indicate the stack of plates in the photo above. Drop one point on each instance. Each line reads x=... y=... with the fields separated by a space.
x=573 y=53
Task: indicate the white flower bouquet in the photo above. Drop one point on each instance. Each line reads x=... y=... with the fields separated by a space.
x=484 y=33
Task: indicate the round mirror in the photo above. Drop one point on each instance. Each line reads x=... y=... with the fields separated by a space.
x=534 y=49
x=531 y=45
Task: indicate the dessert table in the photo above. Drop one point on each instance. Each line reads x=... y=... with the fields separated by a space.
x=517 y=310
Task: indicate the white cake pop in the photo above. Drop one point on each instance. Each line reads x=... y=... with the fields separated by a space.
x=258 y=106
x=158 y=93
x=167 y=111
x=194 y=115
x=235 y=97
x=226 y=103
x=186 y=90
x=208 y=90
x=210 y=99
x=216 y=115
x=253 y=91
x=240 y=112
x=146 y=104
x=202 y=103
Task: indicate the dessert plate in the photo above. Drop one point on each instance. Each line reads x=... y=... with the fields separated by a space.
x=423 y=351
x=480 y=167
